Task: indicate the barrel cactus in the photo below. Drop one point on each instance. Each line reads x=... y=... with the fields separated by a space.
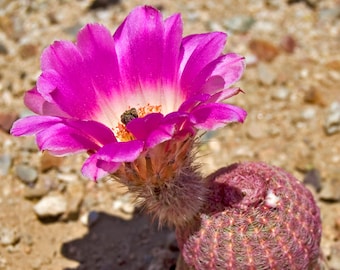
x=255 y=216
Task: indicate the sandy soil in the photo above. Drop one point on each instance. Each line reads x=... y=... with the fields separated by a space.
x=292 y=96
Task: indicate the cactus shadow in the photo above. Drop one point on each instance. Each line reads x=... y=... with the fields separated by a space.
x=114 y=243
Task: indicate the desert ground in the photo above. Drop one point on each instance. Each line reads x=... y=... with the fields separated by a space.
x=291 y=92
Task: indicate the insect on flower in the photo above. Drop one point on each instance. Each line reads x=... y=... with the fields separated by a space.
x=128 y=115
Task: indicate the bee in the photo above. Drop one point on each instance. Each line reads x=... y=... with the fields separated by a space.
x=128 y=116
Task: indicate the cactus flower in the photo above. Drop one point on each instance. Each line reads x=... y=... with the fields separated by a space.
x=118 y=96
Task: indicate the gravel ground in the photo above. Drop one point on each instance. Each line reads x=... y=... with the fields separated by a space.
x=292 y=95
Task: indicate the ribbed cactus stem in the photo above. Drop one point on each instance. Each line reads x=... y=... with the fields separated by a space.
x=255 y=217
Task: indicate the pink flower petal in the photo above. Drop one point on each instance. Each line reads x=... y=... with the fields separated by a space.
x=95 y=169
x=142 y=127
x=221 y=73
x=121 y=151
x=36 y=103
x=192 y=102
x=108 y=159
x=151 y=129
x=140 y=48
x=67 y=81
x=198 y=51
x=97 y=47
x=214 y=115
x=64 y=136
x=224 y=94
x=173 y=30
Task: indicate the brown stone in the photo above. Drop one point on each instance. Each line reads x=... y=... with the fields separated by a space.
x=28 y=50
x=7 y=120
x=47 y=161
x=288 y=44
x=264 y=50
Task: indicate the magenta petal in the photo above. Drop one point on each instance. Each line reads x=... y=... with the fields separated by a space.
x=198 y=51
x=108 y=159
x=221 y=73
x=97 y=47
x=33 y=124
x=139 y=44
x=224 y=94
x=192 y=102
x=120 y=151
x=172 y=126
x=150 y=129
x=95 y=169
x=67 y=81
x=36 y=103
x=173 y=30
x=214 y=115
x=81 y=77
x=161 y=134
x=63 y=136
x=155 y=129
x=142 y=127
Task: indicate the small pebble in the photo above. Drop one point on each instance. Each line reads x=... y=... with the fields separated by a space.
x=332 y=123
x=239 y=24
x=47 y=161
x=266 y=74
x=256 y=130
x=90 y=218
x=308 y=113
x=75 y=192
x=314 y=96
x=3 y=49
x=3 y=263
x=329 y=13
x=117 y=204
x=5 y=164
x=67 y=177
x=337 y=224
x=313 y=178
x=281 y=94
x=331 y=190
x=288 y=44
x=26 y=174
x=215 y=26
x=34 y=193
x=9 y=236
x=51 y=206
x=28 y=50
x=36 y=263
x=334 y=262
x=102 y=4
x=128 y=208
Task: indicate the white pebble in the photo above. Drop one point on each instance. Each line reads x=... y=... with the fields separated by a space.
x=51 y=206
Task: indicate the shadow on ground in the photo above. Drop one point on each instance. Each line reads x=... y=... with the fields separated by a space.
x=113 y=243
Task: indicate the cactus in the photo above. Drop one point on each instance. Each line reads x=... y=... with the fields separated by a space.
x=245 y=216
x=255 y=217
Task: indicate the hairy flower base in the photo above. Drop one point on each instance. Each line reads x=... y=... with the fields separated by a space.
x=164 y=178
